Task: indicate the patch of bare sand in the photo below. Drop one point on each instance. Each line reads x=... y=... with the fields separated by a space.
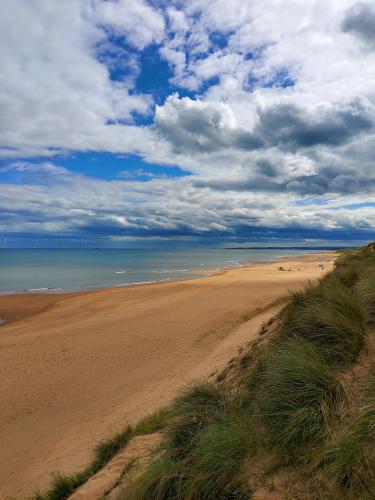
x=74 y=368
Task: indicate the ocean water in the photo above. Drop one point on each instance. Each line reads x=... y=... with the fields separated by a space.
x=38 y=270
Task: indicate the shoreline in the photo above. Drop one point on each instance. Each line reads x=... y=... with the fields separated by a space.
x=208 y=273
x=197 y=274
x=77 y=366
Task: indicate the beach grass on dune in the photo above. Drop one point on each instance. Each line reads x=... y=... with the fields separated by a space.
x=351 y=459
x=365 y=289
x=297 y=394
x=152 y=423
x=216 y=460
x=208 y=435
x=106 y=449
x=63 y=486
x=196 y=408
x=331 y=317
x=291 y=402
x=164 y=479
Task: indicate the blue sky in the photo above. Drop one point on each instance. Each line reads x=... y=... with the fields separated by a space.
x=210 y=122
x=101 y=165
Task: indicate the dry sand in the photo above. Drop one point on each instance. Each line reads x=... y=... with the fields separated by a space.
x=74 y=368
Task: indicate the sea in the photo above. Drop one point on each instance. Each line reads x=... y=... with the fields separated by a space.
x=59 y=270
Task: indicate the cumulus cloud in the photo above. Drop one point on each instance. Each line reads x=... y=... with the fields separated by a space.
x=55 y=93
x=193 y=125
x=206 y=126
x=137 y=21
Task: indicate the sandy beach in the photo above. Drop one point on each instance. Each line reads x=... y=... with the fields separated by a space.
x=74 y=368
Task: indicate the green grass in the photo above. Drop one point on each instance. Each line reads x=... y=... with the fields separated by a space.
x=153 y=423
x=209 y=434
x=198 y=407
x=64 y=485
x=365 y=289
x=164 y=479
x=106 y=449
x=298 y=393
x=351 y=461
x=216 y=460
x=355 y=263
x=330 y=316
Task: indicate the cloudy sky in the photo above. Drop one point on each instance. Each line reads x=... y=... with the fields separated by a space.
x=201 y=120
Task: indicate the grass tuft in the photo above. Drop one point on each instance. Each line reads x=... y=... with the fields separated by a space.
x=105 y=450
x=298 y=393
x=216 y=460
x=164 y=479
x=365 y=289
x=63 y=486
x=153 y=423
x=198 y=407
x=351 y=461
x=331 y=317
x=210 y=435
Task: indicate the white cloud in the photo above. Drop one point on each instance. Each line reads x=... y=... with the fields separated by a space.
x=136 y=20
x=164 y=207
x=195 y=125
x=45 y=168
x=54 y=93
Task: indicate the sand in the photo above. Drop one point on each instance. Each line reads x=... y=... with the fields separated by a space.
x=74 y=368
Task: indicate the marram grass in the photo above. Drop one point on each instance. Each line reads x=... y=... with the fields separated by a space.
x=297 y=393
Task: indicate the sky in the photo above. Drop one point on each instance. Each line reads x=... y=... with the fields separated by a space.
x=212 y=122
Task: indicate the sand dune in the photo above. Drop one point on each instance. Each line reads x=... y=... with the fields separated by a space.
x=74 y=368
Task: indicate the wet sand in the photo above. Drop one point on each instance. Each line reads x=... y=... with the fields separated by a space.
x=74 y=368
